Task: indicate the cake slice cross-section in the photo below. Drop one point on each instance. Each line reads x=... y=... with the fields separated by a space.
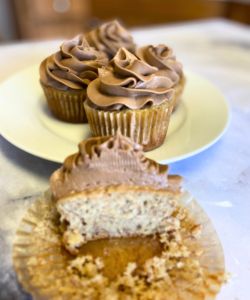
x=109 y=189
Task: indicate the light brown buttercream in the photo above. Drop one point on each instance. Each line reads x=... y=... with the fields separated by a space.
x=129 y=82
x=74 y=66
x=161 y=57
x=109 y=37
x=109 y=161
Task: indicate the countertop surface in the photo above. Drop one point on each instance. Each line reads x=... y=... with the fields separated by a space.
x=219 y=177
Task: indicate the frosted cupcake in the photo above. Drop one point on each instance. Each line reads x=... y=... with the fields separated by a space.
x=117 y=227
x=131 y=97
x=162 y=57
x=109 y=37
x=65 y=75
x=112 y=167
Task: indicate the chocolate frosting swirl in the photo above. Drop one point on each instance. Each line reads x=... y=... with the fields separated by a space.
x=129 y=82
x=109 y=37
x=109 y=161
x=73 y=67
x=161 y=57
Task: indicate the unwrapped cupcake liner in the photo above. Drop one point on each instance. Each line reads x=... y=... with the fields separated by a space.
x=66 y=105
x=147 y=126
x=42 y=264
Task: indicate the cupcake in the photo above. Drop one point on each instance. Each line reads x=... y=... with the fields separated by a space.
x=117 y=226
x=162 y=57
x=109 y=37
x=65 y=75
x=131 y=97
x=115 y=189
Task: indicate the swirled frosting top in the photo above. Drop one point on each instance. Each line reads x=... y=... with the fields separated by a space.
x=129 y=82
x=74 y=66
x=109 y=37
x=161 y=57
x=109 y=161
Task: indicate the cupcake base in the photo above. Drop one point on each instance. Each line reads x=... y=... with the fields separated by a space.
x=66 y=105
x=147 y=126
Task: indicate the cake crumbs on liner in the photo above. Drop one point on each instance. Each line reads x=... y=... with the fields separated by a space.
x=176 y=273
x=160 y=277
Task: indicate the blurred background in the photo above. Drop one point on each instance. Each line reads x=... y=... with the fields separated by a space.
x=46 y=19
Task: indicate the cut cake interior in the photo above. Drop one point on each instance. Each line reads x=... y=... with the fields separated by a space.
x=115 y=211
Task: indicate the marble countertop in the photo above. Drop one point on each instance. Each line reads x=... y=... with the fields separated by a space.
x=219 y=177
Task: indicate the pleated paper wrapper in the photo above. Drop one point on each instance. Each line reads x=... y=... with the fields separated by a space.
x=147 y=126
x=66 y=105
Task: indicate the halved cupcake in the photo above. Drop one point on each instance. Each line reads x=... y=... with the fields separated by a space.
x=110 y=189
x=117 y=227
x=130 y=96
x=65 y=75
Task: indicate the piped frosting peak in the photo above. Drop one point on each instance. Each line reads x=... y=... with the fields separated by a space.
x=129 y=82
x=74 y=66
x=161 y=57
x=107 y=161
x=109 y=37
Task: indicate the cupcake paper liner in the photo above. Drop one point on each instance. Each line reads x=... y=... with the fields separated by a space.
x=66 y=105
x=147 y=127
x=41 y=263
